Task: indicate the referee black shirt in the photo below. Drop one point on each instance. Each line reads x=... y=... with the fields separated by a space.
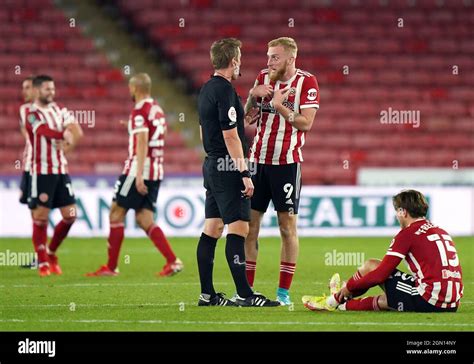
x=219 y=109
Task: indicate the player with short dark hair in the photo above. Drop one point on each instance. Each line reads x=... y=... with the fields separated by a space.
x=27 y=93
x=137 y=188
x=25 y=183
x=435 y=284
x=228 y=185
x=52 y=132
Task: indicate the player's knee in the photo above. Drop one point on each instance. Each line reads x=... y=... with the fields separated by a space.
x=144 y=222
x=369 y=265
x=239 y=228
x=69 y=219
x=213 y=228
x=40 y=214
x=287 y=231
x=116 y=214
x=69 y=214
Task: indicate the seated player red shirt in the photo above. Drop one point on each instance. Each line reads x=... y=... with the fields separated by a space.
x=435 y=284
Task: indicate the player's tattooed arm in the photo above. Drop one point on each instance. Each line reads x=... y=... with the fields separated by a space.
x=251 y=102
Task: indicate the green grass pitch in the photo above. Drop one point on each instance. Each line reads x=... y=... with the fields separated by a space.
x=137 y=300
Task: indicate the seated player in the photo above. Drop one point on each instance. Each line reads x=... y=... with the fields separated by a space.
x=436 y=281
x=137 y=187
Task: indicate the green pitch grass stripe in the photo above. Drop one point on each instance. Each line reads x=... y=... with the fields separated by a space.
x=230 y=323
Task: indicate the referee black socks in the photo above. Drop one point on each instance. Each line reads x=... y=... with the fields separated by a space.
x=235 y=254
x=205 y=257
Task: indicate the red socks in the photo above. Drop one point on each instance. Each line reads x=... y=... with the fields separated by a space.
x=60 y=232
x=363 y=304
x=250 y=269
x=287 y=270
x=115 y=242
x=40 y=237
x=158 y=237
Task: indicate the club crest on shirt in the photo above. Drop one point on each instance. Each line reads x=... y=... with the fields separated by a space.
x=31 y=118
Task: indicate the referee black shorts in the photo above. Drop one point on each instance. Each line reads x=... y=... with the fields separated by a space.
x=402 y=295
x=279 y=183
x=224 y=197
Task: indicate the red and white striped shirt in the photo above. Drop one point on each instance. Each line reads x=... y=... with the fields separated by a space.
x=147 y=116
x=47 y=156
x=27 y=152
x=276 y=141
x=431 y=256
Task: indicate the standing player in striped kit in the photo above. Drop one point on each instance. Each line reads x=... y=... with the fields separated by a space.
x=137 y=187
x=47 y=124
x=288 y=99
x=435 y=284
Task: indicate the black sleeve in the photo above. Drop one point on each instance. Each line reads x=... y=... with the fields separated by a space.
x=225 y=104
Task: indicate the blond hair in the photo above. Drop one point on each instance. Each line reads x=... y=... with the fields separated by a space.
x=142 y=82
x=287 y=43
x=223 y=51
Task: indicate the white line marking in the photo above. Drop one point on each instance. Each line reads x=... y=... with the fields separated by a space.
x=132 y=284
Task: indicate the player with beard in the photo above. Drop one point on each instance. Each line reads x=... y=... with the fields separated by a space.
x=52 y=131
x=287 y=99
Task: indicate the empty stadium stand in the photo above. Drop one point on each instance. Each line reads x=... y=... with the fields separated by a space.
x=426 y=65
x=405 y=68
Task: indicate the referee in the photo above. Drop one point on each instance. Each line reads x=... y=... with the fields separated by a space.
x=227 y=179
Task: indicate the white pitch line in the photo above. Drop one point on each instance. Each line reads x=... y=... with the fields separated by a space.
x=134 y=284
x=60 y=305
x=149 y=304
x=259 y=323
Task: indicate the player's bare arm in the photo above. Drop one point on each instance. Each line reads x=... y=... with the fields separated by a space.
x=234 y=146
x=72 y=137
x=256 y=92
x=142 y=151
x=302 y=121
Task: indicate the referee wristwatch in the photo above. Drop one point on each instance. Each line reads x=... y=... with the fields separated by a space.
x=245 y=173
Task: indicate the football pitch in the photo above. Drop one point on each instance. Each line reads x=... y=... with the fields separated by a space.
x=137 y=300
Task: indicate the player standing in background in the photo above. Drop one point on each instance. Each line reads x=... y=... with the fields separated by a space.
x=228 y=185
x=47 y=124
x=137 y=187
x=27 y=93
x=436 y=281
x=288 y=99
